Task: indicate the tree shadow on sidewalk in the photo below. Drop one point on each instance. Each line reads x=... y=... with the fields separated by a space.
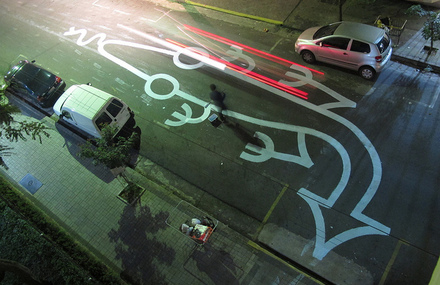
x=137 y=246
x=217 y=264
x=72 y=143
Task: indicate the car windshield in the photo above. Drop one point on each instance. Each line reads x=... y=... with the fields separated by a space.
x=36 y=79
x=384 y=43
x=326 y=31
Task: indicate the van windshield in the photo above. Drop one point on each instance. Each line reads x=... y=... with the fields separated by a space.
x=114 y=107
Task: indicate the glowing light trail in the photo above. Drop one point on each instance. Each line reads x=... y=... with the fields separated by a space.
x=244 y=71
x=248 y=48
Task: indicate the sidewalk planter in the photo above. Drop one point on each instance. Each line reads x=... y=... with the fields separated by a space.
x=428 y=48
x=131 y=193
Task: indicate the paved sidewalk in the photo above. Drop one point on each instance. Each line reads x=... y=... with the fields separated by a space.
x=141 y=241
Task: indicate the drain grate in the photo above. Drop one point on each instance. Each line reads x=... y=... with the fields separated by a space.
x=31 y=183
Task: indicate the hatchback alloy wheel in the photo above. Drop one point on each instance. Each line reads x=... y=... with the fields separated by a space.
x=308 y=56
x=367 y=72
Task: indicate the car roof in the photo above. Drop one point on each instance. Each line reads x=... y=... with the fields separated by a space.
x=359 y=31
x=86 y=100
x=36 y=79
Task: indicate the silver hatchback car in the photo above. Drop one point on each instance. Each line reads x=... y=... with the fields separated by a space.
x=355 y=46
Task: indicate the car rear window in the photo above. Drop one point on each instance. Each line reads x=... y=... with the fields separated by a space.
x=360 y=47
x=383 y=44
x=326 y=31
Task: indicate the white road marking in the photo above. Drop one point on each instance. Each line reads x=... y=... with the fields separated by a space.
x=322 y=247
x=434 y=98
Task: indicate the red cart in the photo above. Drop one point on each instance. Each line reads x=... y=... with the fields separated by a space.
x=192 y=222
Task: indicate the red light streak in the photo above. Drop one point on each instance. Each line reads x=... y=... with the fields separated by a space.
x=250 y=74
x=248 y=48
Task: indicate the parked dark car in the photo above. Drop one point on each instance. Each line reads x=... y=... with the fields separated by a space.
x=34 y=81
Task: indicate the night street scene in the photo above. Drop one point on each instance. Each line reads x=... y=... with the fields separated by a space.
x=220 y=142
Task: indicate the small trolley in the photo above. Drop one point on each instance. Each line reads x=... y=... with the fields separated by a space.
x=395 y=27
x=192 y=222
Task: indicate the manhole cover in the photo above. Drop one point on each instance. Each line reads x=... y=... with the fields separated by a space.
x=31 y=183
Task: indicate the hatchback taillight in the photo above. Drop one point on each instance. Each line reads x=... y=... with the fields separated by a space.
x=57 y=79
x=378 y=58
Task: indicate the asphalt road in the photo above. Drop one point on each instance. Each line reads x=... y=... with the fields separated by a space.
x=347 y=167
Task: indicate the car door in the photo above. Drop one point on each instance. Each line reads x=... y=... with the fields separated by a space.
x=360 y=54
x=114 y=114
x=333 y=50
x=115 y=109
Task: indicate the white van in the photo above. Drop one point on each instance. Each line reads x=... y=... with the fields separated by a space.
x=90 y=109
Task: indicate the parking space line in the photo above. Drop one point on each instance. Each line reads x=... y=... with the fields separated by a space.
x=275 y=45
x=434 y=98
x=435 y=278
x=391 y=262
x=265 y=251
x=274 y=204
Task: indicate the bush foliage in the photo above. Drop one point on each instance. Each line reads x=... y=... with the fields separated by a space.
x=28 y=236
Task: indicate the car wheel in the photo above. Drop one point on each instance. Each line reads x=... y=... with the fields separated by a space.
x=367 y=72
x=308 y=56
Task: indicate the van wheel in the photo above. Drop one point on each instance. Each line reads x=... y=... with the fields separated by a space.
x=367 y=72
x=308 y=56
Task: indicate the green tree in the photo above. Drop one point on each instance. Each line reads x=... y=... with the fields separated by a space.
x=110 y=150
x=431 y=27
x=13 y=130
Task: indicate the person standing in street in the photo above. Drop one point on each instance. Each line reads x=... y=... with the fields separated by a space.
x=218 y=98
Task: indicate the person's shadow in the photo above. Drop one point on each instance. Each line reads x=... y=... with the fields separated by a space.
x=242 y=133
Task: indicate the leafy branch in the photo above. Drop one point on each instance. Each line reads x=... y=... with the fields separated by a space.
x=13 y=130
x=110 y=151
x=431 y=27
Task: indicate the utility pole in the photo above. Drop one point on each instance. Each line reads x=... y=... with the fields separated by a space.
x=341 y=3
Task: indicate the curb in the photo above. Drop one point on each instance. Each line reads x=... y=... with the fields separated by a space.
x=238 y=14
x=415 y=63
